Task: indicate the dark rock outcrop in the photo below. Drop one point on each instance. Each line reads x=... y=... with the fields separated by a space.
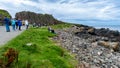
x=103 y=32
x=91 y=50
x=42 y=19
x=3 y=13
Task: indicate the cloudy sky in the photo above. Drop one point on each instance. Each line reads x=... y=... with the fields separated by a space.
x=68 y=10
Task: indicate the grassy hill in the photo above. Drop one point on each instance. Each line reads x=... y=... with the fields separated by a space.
x=3 y=13
x=36 y=50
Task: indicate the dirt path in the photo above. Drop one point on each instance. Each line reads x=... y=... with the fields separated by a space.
x=7 y=36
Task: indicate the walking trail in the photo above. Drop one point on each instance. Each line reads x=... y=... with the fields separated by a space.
x=7 y=36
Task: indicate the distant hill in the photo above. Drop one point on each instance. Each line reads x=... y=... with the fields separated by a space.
x=33 y=17
x=3 y=13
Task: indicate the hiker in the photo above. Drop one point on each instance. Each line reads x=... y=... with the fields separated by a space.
x=23 y=22
x=33 y=24
x=39 y=25
x=13 y=24
x=51 y=30
x=19 y=24
x=26 y=24
x=16 y=24
x=7 y=24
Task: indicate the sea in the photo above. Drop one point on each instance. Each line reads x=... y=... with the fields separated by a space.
x=112 y=25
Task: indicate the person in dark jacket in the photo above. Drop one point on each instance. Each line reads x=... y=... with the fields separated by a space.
x=51 y=30
x=19 y=24
x=7 y=23
x=16 y=23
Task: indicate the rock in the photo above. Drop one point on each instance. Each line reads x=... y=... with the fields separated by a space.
x=96 y=61
x=104 y=39
x=91 y=31
x=83 y=65
x=115 y=45
x=87 y=65
x=80 y=66
x=114 y=66
x=96 y=51
x=111 y=45
x=108 y=55
x=29 y=44
x=103 y=43
x=99 y=53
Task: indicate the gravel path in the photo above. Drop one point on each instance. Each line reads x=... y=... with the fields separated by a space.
x=7 y=36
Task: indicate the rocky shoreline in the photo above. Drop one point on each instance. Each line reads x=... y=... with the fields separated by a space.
x=94 y=48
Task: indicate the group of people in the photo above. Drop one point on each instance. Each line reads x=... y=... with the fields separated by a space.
x=16 y=24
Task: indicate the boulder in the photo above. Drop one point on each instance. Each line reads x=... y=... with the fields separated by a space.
x=91 y=31
x=111 y=45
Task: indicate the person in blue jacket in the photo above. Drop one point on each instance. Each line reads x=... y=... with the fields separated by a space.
x=7 y=23
x=19 y=24
x=13 y=24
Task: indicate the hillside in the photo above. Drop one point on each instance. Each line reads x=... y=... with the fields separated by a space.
x=92 y=48
x=35 y=48
x=3 y=13
x=42 y=19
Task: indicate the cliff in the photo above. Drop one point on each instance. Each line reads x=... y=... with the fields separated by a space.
x=41 y=19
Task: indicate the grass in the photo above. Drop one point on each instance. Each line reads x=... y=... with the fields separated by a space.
x=43 y=52
x=61 y=26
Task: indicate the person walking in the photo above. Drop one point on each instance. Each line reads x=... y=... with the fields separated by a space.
x=19 y=24
x=16 y=23
x=13 y=24
x=26 y=24
x=7 y=23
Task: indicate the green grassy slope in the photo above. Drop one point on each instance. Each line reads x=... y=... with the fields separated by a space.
x=43 y=53
x=4 y=13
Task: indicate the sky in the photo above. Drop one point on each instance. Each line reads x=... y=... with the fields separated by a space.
x=74 y=11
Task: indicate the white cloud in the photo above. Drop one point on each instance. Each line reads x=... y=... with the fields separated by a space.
x=79 y=10
x=67 y=9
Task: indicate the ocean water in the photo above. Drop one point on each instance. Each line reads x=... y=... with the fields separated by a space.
x=112 y=25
